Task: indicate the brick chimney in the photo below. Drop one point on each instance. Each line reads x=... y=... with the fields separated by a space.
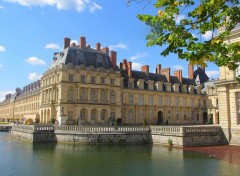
x=190 y=71
x=66 y=42
x=145 y=69
x=82 y=42
x=105 y=50
x=124 y=64
x=178 y=74
x=98 y=46
x=129 y=68
x=166 y=72
x=158 y=69
x=113 y=58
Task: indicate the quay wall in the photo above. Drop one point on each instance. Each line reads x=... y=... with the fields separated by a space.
x=163 y=135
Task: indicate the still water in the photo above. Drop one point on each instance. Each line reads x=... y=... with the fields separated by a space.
x=26 y=159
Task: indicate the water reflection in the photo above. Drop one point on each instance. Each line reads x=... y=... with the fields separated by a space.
x=24 y=158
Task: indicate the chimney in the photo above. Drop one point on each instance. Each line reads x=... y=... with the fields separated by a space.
x=190 y=71
x=73 y=44
x=121 y=65
x=124 y=64
x=178 y=74
x=98 y=46
x=145 y=69
x=129 y=68
x=166 y=72
x=105 y=50
x=158 y=69
x=66 y=42
x=82 y=42
x=113 y=58
x=88 y=46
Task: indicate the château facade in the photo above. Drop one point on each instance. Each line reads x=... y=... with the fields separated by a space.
x=86 y=86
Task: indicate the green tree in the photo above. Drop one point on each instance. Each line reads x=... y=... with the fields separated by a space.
x=181 y=25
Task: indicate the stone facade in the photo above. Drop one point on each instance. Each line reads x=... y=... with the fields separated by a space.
x=87 y=87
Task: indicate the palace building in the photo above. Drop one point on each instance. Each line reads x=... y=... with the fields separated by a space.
x=87 y=87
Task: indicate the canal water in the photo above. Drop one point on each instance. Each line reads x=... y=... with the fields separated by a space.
x=22 y=158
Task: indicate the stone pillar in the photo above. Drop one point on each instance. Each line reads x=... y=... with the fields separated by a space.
x=224 y=113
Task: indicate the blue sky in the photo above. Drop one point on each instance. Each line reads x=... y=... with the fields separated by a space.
x=32 y=30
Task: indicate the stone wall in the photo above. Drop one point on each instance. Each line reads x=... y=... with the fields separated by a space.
x=164 y=135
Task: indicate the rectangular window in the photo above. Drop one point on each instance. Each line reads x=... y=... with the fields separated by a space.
x=70 y=78
x=130 y=99
x=102 y=80
x=176 y=101
x=151 y=100
x=204 y=103
x=112 y=81
x=92 y=79
x=192 y=115
x=216 y=102
x=82 y=78
x=159 y=101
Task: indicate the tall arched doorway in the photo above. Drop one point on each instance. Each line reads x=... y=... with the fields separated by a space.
x=205 y=118
x=160 y=118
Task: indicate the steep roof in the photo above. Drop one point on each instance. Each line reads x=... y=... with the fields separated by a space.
x=77 y=56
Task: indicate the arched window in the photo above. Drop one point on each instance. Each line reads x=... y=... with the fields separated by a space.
x=93 y=115
x=83 y=114
x=103 y=114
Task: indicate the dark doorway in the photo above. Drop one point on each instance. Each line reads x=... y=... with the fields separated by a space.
x=205 y=118
x=160 y=118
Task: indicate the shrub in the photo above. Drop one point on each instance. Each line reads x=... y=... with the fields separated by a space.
x=170 y=142
x=37 y=120
x=29 y=121
x=52 y=120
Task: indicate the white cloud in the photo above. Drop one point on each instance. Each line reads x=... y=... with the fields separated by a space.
x=34 y=76
x=207 y=35
x=78 y=5
x=1 y=7
x=179 y=18
x=52 y=46
x=94 y=6
x=74 y=41
x=118 y=46
x=2 y=48
x=3 y=94
x=34 y=61
x=178 y=67
x=212 y=73
x=138 y=56
x=1 y=65
x=136 y=66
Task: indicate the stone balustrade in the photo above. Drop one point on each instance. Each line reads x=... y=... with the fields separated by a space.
x=100 y=129
x=185 y=130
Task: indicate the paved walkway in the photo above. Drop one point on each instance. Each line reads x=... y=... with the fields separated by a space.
x=228 y=153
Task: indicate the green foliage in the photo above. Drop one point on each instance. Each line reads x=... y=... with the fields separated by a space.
x=29 y=121
x=170 y=142
x=37 y=120
x=52 y=120
x=145 y=122
x=176 y=21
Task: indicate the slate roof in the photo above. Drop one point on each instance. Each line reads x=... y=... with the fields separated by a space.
x=87 y=56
